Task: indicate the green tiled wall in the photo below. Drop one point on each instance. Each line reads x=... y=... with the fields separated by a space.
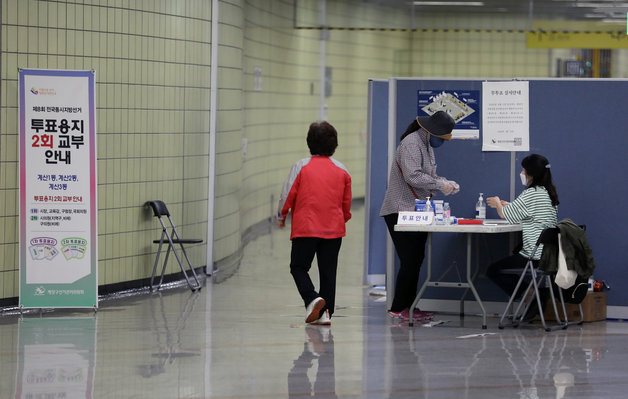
x=276 y=119
x=152 y=62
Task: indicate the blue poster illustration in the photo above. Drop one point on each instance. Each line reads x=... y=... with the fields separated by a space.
x=463 y=106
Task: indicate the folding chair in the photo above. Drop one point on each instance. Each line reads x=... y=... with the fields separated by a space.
x=172 y=238
x=537 y=276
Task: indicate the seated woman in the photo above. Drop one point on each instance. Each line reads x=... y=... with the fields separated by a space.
x=536 y=209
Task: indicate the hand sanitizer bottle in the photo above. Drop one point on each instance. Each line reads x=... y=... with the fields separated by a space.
x=446 y=213
x=480 y=208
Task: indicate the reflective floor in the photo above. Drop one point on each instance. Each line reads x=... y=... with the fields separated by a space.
x=245 y=338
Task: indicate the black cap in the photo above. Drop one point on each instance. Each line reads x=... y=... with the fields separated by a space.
x=439 y=123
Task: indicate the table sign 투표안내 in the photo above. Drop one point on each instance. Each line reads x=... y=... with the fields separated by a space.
x=415 y=218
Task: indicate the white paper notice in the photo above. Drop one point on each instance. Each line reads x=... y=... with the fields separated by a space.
x=505 y=116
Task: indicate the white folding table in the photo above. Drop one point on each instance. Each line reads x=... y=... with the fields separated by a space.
x=489 y=227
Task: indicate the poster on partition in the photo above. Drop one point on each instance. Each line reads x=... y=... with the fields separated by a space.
x=505 y=116
x=462 y=105
x=58 y=211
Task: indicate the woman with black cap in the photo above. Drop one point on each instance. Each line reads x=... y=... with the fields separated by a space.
x=413 y=176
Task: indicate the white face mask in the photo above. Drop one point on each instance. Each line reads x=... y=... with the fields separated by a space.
x=524 y=179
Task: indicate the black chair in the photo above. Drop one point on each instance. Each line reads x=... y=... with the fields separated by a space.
x=160 y=210
x=549 y=235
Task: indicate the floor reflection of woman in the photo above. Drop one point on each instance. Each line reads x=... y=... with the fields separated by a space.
x=319 y=346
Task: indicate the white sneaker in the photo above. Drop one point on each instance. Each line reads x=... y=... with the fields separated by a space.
x=313 y=309
x=324 y=320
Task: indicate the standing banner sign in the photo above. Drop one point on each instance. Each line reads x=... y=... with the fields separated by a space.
x=58 y=211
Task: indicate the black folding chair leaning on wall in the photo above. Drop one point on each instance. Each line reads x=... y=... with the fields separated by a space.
x=536 y=279
x=171 y=238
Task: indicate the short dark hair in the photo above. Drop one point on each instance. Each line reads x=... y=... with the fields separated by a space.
x=322 y=139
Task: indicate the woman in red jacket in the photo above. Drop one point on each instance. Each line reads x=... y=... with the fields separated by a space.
x=318 y=192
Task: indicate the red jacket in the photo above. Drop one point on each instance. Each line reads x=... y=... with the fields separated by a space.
x=318 y=190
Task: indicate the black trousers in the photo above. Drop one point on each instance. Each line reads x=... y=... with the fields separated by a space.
x=508 y=281
x=301 y=257
x=299 y=384
x=410 y=247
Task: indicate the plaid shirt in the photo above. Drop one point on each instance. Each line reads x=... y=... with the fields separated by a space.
x=415 y=157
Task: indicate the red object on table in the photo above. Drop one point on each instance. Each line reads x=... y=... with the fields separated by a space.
x=470 y=221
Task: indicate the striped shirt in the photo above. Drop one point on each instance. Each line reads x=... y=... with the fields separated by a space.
x=534 y=210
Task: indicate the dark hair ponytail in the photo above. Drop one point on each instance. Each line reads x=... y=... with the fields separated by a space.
x=413 y=127
x=538 y=167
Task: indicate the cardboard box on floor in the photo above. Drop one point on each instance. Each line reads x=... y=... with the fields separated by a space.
x=593 y=307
